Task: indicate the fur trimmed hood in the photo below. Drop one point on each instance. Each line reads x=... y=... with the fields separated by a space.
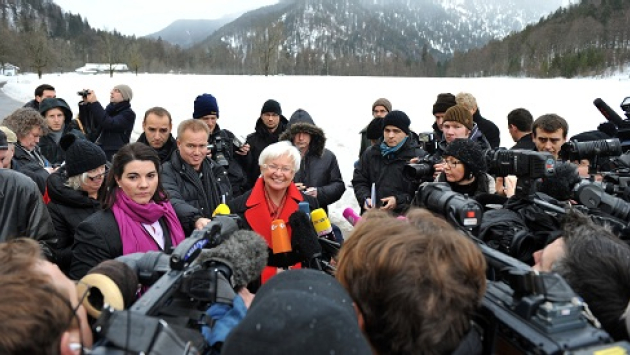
x=318 y=138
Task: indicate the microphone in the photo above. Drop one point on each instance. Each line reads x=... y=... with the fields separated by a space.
x=222 y=209
x=560 y=185
x=607 y=112
x=351 y=216
x=280 y=241
x=322 y=225
x=304 y=207
x=244 y=252
x=111 y=282
x=304 y=240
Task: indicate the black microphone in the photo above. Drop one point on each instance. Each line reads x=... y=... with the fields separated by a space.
x=607 y=112
x=560 y=185
x=245 y=252
x=304 y=240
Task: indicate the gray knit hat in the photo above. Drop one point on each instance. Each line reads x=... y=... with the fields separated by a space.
x=125 y=91
x=383 y=102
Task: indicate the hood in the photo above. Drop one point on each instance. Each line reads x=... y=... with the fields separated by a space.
x=318 y=138
x=300 y=116
x=51 y=103
x=64 y=195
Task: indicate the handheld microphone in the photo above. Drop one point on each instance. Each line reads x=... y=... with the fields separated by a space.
x=607 y=112
x=304 y=207
x=222 y=209
x=280 y=241
x=351 y=216
x=322 y=225
x=245 y=252
x=111 y=282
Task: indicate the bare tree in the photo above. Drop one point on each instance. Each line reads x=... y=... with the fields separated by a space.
x=38 y=49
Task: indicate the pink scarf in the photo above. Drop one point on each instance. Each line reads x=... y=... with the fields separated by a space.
x=130 y=215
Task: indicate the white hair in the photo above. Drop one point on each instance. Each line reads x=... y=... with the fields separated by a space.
x=281 y=149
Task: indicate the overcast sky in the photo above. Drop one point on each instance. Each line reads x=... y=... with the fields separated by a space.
x=143 y=17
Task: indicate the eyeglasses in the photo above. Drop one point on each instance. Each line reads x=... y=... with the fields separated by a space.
x=452 y=163
x=98 y=176
x=275 y=168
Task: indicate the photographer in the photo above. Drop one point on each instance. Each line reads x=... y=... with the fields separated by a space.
x=465 y=169
x=115 y=121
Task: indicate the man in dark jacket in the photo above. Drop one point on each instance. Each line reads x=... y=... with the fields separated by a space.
x=487 y=127
x=227 y=150
x=382 y=166
x=42 y=92
x=196 y=184
x=269 y=126
x=115 y=121
x=520 y=126
x=319 y=175
x=58 y=118
x=157 y=126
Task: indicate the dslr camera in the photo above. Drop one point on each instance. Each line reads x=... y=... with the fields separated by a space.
x=218 y=151
x=422 y=170
x=83 y=93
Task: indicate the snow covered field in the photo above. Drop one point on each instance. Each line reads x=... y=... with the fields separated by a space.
x=340 y=105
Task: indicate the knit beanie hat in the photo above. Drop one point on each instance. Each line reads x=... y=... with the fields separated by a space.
x=300 y=116
x=205 y=105
x=271 y=106
x=398 y=119
x=297 y=310
x=383 y=102
x=54 y=102
x=125 y=91
x=459 y=114
x=81 y=155
x=375 y=128
x=444 y=102
x=468 y=152
x=11 y=137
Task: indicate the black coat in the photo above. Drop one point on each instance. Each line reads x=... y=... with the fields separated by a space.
x=258 y=141
x=387 y=175
x=235 y=170
x=116 y=124
x=51 y=149
x=525 y=143
x=30 y=166
x=489 y=129
x=319 y=167
x=167 y=149
x=68 y=208
x=98 y=239
x=193 y=197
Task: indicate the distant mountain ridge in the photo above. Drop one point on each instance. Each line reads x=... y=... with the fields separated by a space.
x=187 y=33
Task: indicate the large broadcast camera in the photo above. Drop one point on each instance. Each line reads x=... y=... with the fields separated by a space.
x=526 y=165
x=622 y=125
x=169 y=316
x=594 y=151
x=523 y=312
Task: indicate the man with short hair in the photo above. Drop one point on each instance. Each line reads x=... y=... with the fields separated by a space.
x=549 y=133
x=380 y=108
x=58 y=118
x=487 y=127
x=195 y=183
x=520 y=123
x=156 y=127
x=42 y=92
x=382 y=166
x=270 y=124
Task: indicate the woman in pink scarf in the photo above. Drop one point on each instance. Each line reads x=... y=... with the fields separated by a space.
x=136 y=215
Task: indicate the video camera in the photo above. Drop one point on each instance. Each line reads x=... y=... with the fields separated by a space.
x=423 y=170
x=622 y=125
x=169 y=316
x=218 y=149
x=594 y=151
x=522 y=163
x=593 y=196
x=522 y=312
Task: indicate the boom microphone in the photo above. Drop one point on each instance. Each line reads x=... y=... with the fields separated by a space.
x=111 y=282
x=351 y=216
x=245 y=252
x=607 y=112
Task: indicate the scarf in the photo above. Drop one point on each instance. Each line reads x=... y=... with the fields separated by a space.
x=129 y=216
x=388 y=152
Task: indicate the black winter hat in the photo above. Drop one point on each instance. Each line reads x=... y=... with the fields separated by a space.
x=298 y=310
x=271 y=106
x=444 y=102
x=398 y=119
x=81 y=155
x=468 y=152
x=205 y=105
x=300 y=116
x=54 y=102
x=375 y=128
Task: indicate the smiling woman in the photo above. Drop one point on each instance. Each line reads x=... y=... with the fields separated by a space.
x=136 y=215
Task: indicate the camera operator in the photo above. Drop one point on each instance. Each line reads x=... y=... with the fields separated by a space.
x=596 y=264
x=225 y=148
x=115 y=121
x=40 y=310
x=465 y=169
x=411 y=298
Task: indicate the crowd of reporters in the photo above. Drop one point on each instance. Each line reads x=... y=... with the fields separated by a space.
x=93 y=196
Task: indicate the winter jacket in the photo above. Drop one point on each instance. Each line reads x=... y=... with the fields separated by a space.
x=68 y=207
x=365 y=142
x=193 y=196
x=98 y=239
x=236 y=173
x=258 y=141
x=318 y=167
x=22 y=209
x=386 y=173
x=525 y=143
x=252 y=207
x=47 y=145
x=29 y=165
x=116 y=123
x=483 y=184
x=166 y=151
x=32 y=104
x=488 y=128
